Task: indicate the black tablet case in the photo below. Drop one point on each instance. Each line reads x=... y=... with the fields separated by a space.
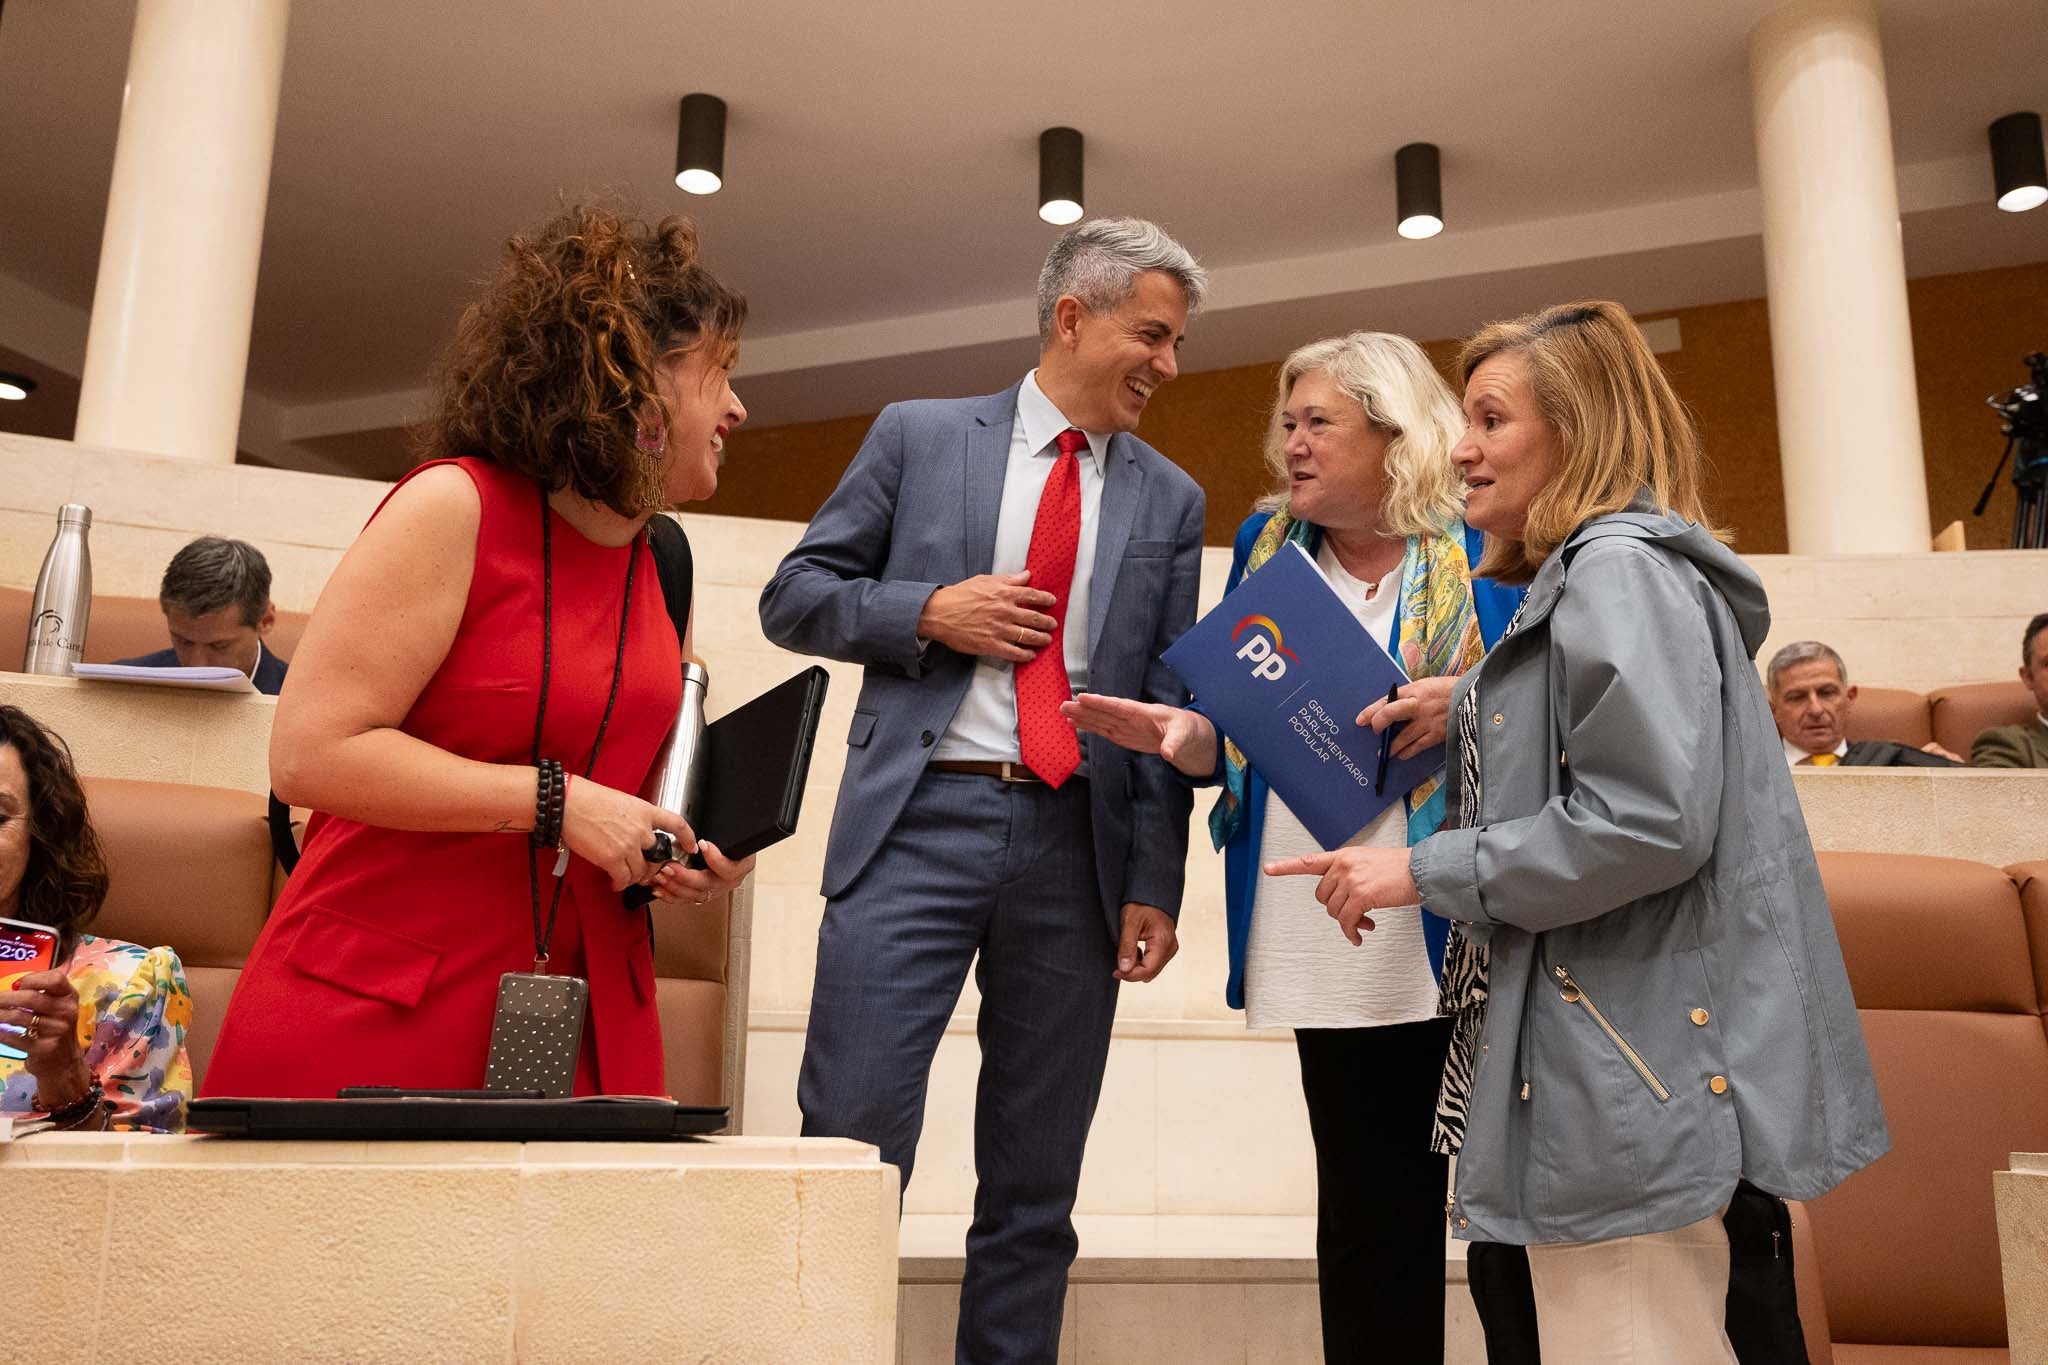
x=625 y=1119
x=755 y=761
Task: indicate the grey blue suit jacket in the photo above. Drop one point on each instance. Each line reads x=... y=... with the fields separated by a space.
x=916 y=511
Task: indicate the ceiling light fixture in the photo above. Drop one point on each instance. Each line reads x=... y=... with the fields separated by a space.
x=700 y=145
x=1418 y=191
x=15 y=387
x=1059 y=176
x=2017 y=165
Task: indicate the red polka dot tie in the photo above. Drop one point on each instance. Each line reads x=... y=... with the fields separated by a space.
x=1045 y=740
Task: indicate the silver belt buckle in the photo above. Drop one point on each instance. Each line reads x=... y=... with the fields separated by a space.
x=1017 y=772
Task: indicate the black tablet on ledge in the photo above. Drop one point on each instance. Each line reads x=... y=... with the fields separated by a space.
x=429 y=1118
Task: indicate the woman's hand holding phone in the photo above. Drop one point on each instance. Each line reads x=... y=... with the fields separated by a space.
x=44 y=1007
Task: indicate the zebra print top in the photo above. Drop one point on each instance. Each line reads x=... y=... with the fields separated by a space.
x=1462 y=994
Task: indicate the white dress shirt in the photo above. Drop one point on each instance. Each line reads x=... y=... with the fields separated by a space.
x=985 y=726
x=1300 y=971
x=1794 y=755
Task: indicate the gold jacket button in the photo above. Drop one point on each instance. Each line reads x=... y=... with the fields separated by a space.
x=1699 y=1017
x=1499 y=719
x=1718 y=1084
x=1464 y=1222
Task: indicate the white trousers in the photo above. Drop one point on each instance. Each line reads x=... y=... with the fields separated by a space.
x=1659 y=1299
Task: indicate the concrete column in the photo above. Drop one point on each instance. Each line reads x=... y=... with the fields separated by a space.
x=168 y=349
x=1841 y=343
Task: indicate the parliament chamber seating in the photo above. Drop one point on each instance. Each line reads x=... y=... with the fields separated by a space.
x=1951 y=716
x=191 y=867
x=1949 y=963
x=122 y=628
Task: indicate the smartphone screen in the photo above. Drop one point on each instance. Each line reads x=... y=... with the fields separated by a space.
x=24 y=949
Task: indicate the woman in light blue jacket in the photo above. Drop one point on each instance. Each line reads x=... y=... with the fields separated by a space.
x=1649 y=1001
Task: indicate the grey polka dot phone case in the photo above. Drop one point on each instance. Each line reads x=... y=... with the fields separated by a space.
x=537 y=1034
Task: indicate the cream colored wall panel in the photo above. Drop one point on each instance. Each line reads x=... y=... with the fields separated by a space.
x=1120 y=1172
x=1188 y=1324
x=153 y=734
x=1233 y=1129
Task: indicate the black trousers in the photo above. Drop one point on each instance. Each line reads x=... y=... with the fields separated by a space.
x=1379 y=1189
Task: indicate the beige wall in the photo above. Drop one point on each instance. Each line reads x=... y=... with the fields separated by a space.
x=1969 y=332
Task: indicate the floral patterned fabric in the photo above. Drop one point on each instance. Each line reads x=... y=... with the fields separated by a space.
x=133 y=1010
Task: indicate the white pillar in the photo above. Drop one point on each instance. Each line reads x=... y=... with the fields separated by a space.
x=168 y=350
x=1841 y=343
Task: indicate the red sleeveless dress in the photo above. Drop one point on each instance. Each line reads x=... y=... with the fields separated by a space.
x=379 y=964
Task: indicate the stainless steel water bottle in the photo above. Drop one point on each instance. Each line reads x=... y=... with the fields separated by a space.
x=62 y=605
x=678 y=769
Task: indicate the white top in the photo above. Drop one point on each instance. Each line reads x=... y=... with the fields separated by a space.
x=1794 y=755
x=1299 y=970
x=985 y=726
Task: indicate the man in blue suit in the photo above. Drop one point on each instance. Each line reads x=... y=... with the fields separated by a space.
x=216 y=601
x=985 y=558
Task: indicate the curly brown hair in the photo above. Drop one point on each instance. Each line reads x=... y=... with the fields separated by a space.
x=553 y=363
x=65 y=881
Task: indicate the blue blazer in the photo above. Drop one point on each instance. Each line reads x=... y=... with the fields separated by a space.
x=269 y=675
x=916 y=510
x=1495 y=604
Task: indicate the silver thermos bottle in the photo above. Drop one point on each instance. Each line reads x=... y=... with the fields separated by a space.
x=678 y=770
x=63 y=602
x=679 y=767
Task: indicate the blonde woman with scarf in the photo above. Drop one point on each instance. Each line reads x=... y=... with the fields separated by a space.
x=1359 y=449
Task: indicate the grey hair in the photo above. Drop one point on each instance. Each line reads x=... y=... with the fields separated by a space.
x=1099 y=262
x=1802 y=652
x=213 y=572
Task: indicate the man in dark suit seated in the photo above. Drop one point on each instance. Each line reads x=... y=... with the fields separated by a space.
x=216 y=601
x=1811 y=697
x=2024 y=745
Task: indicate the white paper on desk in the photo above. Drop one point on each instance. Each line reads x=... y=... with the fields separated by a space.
x=14 y=1127
x=206 y=679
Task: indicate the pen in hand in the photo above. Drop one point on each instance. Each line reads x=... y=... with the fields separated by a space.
x=1379 y=777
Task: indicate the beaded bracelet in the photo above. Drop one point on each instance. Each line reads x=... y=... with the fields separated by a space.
x=558 y=801
x=544 y=777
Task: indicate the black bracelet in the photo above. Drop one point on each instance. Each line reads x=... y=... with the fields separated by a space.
x=558 y=803
x=544 y=779
x=76 y=1112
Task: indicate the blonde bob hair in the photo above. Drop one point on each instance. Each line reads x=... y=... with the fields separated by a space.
x=1620 y=428
x=1403 y=395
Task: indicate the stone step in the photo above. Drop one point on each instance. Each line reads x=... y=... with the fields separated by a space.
x=1177 y=1290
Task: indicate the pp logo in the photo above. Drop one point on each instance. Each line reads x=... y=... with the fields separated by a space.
x=1267 y=656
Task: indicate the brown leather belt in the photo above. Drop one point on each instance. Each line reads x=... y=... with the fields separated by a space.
x=983 y=767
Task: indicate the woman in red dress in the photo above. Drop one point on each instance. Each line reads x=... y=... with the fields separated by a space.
x=500 y=610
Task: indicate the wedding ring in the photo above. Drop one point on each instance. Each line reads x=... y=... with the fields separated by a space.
x=30 y=1027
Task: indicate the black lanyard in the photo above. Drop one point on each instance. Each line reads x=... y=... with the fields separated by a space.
x=542 y=936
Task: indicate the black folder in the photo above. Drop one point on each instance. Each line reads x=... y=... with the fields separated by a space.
x=755 y=761
x=422 y=1118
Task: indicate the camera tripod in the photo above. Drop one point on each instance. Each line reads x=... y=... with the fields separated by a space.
x=2030 y=489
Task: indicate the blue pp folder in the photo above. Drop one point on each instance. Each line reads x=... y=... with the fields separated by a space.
x=1283 y=668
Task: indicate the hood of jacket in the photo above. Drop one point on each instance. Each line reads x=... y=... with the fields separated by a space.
x=1735 y=581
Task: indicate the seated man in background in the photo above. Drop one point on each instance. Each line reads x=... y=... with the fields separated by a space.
x=216 y=601
x=1811 y=697
x=2024 y=745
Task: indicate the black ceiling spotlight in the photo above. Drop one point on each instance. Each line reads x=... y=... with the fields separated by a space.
x=1418 y=191
x=1059 y=176
x=2017 y=165
x=700 y=145
x=15 y=387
